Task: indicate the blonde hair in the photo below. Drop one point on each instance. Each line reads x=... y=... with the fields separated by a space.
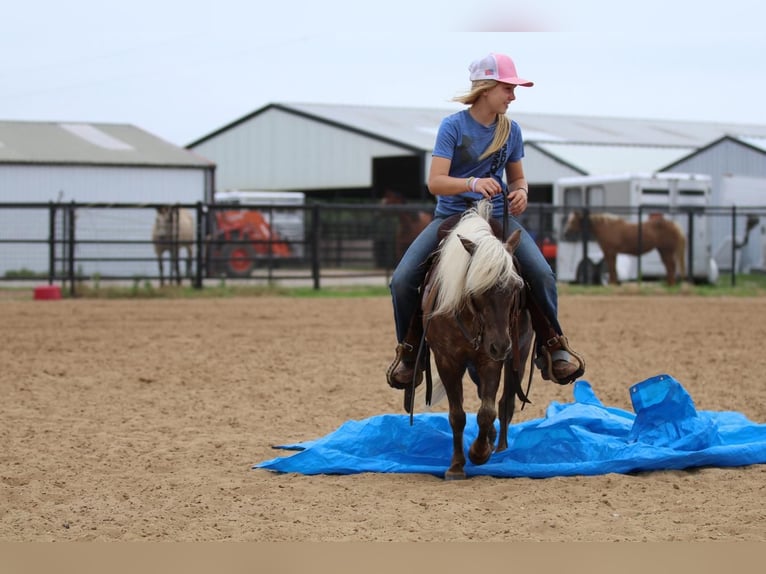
x=503 y=129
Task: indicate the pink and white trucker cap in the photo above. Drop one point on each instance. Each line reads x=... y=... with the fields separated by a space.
x=497 y=67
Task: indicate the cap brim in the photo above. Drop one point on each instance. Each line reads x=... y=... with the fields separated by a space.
x=516 y=82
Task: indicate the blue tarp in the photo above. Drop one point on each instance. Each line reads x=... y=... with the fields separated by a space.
x=580 y=438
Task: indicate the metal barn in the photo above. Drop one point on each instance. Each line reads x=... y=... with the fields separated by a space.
x=340 y=151
x=58 y=163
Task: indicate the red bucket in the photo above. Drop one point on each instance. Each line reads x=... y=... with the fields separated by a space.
x=47 y=292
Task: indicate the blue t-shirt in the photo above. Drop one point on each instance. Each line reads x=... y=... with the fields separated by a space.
x=462 y=140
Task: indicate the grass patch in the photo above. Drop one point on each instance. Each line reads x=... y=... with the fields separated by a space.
x=222 y=291
x=753 y=285
x=175 y=292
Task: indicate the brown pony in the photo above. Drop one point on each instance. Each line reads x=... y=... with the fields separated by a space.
x=474 y=319
x=411 y=223
x=615 y=235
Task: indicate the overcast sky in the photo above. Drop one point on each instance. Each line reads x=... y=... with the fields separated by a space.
x=183 y=68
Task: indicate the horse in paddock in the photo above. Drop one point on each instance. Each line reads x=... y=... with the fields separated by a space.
x=475 y=319
x=410 y=223
x=173 y=230
x=616 y=235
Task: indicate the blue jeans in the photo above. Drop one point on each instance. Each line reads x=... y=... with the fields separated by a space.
x=410 y=272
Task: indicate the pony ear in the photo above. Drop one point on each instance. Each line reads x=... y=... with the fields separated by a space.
x=513 y=241
x=469 y=245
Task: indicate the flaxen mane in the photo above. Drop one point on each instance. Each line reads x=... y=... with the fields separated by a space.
x=459 y=274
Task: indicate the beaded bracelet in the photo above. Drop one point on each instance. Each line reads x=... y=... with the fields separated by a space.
x=469 y=183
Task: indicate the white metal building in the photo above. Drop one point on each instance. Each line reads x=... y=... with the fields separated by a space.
x=337 y=150
x=44 y=162
x=85 y=162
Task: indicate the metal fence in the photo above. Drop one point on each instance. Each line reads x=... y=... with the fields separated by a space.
x=72 y=243
x=316 y=244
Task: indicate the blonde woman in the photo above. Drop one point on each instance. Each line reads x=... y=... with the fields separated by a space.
x=477 y=154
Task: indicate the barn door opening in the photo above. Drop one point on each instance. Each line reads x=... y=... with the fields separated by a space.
x=403 y=174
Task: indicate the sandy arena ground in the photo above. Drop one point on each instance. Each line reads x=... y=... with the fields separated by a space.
x=140 y=420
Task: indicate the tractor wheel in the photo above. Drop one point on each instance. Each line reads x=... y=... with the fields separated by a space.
x=238 y=260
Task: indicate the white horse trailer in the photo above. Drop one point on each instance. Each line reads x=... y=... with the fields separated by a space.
x=748 y=194
x=681 y=197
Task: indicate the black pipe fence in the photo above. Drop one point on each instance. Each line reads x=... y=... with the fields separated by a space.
x=314 y=244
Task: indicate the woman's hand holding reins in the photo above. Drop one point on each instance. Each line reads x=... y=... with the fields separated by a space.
x=517 y=201
x=487 y=187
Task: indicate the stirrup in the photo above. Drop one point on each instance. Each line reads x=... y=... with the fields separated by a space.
x=402 y=349
x=544 y=360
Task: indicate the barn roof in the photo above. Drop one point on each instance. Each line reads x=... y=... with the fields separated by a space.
x=90 y=144
x=417 y=126
x=590 y=143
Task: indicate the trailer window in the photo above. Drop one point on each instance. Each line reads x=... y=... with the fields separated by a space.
x=572 y=197
x=596 y=196
x=654 y=191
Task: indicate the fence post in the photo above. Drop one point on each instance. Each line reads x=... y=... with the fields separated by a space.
x=733 y=245
x=200 y=237
x=51 y=242
x=690 y=248
x=315 y=270
x=71 y=210
x=640 y=239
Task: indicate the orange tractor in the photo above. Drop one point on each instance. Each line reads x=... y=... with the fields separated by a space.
x=239 y=239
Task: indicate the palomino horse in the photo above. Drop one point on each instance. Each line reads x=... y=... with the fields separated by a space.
x=173 y=230
x=615 y=235
x=475 y=320
x=410 y=223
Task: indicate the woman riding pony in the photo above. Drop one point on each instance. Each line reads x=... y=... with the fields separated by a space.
x=474 y=148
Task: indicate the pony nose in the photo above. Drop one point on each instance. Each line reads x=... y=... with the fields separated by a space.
x=499 y=351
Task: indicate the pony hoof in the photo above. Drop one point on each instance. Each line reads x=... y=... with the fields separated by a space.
x=479 y=457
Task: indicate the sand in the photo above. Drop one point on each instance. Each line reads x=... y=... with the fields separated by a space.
x=129 y=420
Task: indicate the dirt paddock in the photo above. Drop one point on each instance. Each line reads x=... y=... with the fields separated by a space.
x=140 y=420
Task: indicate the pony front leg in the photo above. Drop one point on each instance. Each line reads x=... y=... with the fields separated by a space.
x=507 y=403
x=482 y=447
x=454 y=388
x=188 y=263
x=176 y=266
x=669 y=260
x=457 y=464
x=159 y=264
x=611 y=265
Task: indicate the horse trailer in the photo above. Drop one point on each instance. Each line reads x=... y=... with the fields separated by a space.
x=680 y=197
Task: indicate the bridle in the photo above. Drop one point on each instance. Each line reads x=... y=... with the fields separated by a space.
x=474 y=341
